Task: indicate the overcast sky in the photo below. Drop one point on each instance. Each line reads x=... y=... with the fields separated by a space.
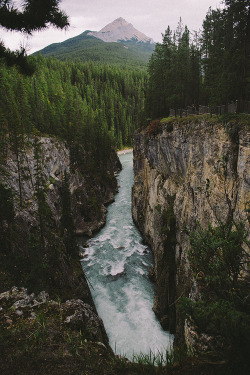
x=148 y=16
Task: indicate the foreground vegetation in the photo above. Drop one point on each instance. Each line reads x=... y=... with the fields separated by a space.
x=219 y=258
x=46 y=340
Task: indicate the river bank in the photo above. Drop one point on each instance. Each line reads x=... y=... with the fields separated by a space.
x=125 y=151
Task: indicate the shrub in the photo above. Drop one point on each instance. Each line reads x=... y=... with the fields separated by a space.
x=218 y=261
x=154 y=128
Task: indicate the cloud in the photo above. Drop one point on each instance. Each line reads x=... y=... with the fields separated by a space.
x=148 y=16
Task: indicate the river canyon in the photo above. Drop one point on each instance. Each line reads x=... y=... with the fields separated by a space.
x=116 y=263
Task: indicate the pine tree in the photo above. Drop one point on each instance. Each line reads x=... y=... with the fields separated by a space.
x=33 y=16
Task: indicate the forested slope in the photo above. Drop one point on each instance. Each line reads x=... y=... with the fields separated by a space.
x=97 y=106
x=86 y=48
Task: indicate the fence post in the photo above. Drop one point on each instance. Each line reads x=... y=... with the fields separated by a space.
x=239 y=106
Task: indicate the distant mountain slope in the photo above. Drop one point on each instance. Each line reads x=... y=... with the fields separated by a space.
x=128 y=46
x=120 y=30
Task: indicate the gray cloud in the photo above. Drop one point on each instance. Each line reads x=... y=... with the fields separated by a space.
x=148 y=16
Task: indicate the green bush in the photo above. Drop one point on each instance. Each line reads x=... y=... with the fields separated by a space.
x=218 y=261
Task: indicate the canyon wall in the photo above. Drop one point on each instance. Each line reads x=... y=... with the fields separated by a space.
x=45 y=200
x=187 y=170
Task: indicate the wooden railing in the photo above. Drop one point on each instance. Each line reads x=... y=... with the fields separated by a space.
x=239 y=106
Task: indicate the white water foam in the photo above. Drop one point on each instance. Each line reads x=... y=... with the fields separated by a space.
x=117 y=268
x=116 y=263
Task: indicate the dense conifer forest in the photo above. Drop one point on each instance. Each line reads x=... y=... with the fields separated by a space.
x=85 y=47
x=92 y=106
x=211 y=67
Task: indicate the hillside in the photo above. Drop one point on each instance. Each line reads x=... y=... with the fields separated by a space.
x=122 y=45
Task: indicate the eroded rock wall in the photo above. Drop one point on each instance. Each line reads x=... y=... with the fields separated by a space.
x=89 y=193
x=36 y=248
x=193 y=170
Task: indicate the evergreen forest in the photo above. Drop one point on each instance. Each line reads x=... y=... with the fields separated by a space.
x=209 y=67
x=85 y=47
x=94 y=107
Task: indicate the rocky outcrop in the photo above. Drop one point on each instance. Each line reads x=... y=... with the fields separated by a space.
x=41 y=335
x=194 y=169
x=17 y=305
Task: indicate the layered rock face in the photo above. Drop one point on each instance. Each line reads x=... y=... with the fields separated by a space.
x=89 y=196
x=193 y=170
x=37 y=250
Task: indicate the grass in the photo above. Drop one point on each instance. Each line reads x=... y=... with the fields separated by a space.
x=229 y=121
x=42 y=342
x=240 y=119
x=155 y=359
x=45 y=345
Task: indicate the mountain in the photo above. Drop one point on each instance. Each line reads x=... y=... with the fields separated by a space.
x=119 y=31
x=117 y=43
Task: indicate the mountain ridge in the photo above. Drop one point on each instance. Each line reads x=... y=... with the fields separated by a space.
x=131 y=48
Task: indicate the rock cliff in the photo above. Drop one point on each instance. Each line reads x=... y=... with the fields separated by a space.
x=44 y=200
x=192 y=169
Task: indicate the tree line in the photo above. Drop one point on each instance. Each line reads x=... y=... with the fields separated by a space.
x=211 y=67
x=92 y=107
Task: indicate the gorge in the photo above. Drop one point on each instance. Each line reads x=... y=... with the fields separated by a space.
x=116 y=263
x=176 y=165
x=196 y=168
x=86 y=282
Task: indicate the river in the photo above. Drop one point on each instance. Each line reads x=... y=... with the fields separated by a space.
x=116 y=264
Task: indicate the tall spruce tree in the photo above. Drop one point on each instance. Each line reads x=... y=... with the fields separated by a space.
x=226 y=53
x=174 y=73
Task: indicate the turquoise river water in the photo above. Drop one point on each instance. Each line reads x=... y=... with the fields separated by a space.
x=116 y=263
